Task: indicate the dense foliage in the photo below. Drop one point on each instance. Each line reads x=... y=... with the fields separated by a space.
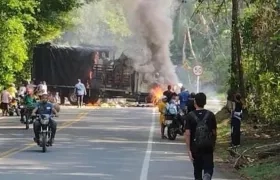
x=203 y=32
x=260 y=25
x=250 y=64
x=200 y=38
x=23 y=24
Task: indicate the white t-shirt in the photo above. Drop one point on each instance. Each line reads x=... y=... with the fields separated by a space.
x=44 y=89
x=5 y=97
x=22 y=90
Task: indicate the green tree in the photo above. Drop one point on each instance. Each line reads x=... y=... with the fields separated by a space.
x=23 y=25
x=202 y=37
x=15 y=16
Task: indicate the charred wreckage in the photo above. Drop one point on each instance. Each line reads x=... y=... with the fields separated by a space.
x=103 y=75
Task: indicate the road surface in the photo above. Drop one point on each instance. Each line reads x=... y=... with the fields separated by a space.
x=99 y=144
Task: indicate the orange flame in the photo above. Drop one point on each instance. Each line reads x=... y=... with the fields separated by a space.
x=156 y=93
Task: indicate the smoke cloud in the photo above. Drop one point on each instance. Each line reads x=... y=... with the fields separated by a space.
x=150 y=21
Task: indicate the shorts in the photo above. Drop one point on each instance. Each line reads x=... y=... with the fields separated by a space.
x=4 y=106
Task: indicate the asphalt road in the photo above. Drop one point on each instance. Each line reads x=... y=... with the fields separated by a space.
x=100 y=144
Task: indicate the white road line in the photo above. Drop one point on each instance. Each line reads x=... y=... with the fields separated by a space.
x=146 y=162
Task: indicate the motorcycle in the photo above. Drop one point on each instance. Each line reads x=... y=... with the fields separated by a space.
x=175 y=125
x=45 y=132
x=14 y=107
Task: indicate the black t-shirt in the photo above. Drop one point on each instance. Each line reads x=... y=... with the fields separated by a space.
x=169 y=95
x=191 y=125
x=238 y=106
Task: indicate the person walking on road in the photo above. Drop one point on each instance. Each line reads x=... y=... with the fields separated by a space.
x=5 y=100
x=200 y=137
x=80 y=91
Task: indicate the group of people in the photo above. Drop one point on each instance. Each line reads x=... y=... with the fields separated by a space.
x=35 y=99
x=199 y=126
x=9 y=93
x=170 y=104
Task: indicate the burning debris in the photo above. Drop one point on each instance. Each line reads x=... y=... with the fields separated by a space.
x=156 y=93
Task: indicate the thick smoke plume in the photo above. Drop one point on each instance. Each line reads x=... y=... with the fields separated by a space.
x=150 y=21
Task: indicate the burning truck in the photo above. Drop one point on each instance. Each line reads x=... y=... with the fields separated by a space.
x=103 y=75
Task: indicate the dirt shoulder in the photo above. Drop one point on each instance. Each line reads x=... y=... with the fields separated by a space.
x=257 y=158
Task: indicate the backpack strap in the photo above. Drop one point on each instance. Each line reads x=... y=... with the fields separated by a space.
x=205 y=118
x=193 y=115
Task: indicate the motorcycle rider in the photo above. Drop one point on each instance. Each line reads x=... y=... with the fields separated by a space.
x=44 y=107
x=29 y=102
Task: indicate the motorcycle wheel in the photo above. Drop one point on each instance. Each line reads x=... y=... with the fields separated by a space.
x=44 y=142
x=171 y=133
x=11 y=113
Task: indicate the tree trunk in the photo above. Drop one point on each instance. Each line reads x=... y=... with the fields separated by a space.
x=233 y=72
x=190 y=43
x=184 y=56
x=183 y=49
x=237 y=49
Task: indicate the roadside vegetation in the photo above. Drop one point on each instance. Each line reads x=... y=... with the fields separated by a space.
x=258 y=157
x=236 y=42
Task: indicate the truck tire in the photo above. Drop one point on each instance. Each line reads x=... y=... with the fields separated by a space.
x=72 y=98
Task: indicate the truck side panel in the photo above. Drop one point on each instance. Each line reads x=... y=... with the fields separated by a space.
x=61 y=66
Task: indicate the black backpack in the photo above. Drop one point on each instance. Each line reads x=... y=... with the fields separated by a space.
x=203 y=135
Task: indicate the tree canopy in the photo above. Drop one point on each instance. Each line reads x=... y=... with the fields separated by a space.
x=236 y=42
x=24 y=24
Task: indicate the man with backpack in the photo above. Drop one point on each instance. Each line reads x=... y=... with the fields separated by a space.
x=201 y=138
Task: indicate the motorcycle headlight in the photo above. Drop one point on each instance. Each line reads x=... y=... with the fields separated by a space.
x=44 y=121
x=45 y=116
